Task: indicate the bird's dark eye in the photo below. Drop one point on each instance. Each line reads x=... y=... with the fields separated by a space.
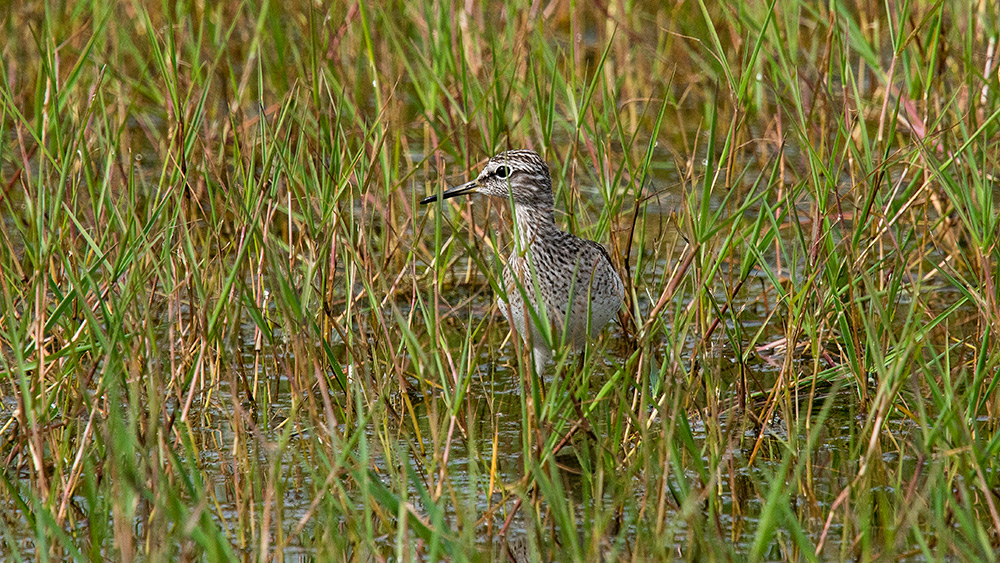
x=502 y=172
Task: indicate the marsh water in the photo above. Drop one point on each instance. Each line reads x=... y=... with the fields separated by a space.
x=492 y=429
x=486 y=463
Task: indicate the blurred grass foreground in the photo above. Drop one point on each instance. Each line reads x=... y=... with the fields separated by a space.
x=228 y=331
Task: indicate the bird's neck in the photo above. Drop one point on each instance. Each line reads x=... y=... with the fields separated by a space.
x=532 y=222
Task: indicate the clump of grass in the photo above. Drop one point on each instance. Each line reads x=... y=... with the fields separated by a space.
x=227 y=329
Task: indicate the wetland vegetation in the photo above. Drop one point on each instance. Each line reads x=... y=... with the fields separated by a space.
x=228 y=330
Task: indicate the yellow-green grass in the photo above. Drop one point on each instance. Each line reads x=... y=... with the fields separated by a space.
x=227 y=330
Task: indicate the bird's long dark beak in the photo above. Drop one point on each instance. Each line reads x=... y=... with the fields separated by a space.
x=467 y=188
